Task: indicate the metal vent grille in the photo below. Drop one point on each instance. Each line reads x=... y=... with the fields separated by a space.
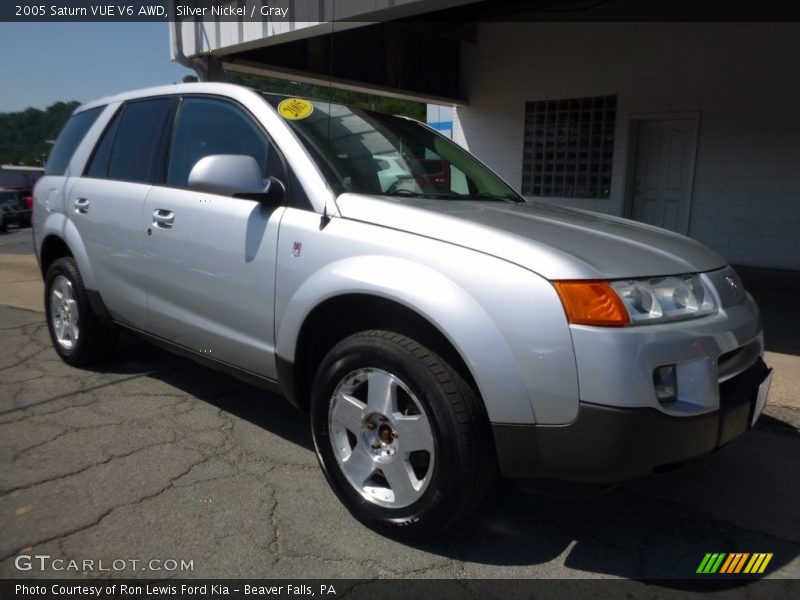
x=569 y=147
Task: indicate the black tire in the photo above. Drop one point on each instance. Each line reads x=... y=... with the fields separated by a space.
x=95 y=340
x=463 y=464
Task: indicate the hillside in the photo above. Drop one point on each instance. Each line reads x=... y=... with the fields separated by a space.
x=24 y=135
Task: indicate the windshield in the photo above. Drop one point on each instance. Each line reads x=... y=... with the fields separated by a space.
x=372 y=153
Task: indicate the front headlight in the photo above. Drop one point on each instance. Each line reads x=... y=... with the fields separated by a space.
x=635 y=301
x=665 y=298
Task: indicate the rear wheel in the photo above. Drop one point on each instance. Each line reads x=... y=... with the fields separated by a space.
x=403 y=439
x=78 y=336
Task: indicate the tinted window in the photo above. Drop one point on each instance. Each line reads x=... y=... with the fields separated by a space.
x=98 y=166
x=135 y=152
x=207 y=126
x=68 y=140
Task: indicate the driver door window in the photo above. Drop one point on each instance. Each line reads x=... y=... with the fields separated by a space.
x=208 y=126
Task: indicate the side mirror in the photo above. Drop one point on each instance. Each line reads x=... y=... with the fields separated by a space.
x=235 y=175
x=274 y=192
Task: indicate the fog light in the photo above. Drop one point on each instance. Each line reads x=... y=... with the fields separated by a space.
x=665 y=383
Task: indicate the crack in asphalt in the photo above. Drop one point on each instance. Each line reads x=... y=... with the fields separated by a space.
x=84 y=469
x=23 y=451
x=98 y=520
x=99 y=386
x=20 y=326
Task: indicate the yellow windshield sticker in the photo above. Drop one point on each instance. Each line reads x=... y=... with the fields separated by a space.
x=295 y=108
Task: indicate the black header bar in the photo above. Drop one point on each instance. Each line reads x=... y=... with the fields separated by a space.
x=384 y=10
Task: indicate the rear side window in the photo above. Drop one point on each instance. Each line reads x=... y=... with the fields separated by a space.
x=68 y=140
x=98 y=166
x=131 y=149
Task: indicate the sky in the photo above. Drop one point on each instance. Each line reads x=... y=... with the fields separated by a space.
x=42 y=63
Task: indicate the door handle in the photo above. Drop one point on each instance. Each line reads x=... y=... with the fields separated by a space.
x=163 y=218
x=81 y=205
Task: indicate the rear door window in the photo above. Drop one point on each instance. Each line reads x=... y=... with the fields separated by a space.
x=137 y=143
x=68 y=140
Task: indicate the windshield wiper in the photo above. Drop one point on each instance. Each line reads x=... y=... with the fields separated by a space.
x=428 y=196
x=481 y=196
x=488 y=196
x=403 y=192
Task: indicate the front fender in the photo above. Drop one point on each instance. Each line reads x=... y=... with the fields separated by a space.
x=457 y=315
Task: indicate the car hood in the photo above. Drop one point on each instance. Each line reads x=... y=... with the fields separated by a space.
x=556 y=242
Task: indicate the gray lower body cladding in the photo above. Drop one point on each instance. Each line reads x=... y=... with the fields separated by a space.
x=610 y=445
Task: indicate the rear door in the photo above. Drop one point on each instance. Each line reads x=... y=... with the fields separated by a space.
x=210 y=259
x=106 y=203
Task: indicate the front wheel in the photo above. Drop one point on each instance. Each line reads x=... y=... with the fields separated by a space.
x=402 y=438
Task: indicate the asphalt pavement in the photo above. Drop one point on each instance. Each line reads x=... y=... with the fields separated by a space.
x=152 y=457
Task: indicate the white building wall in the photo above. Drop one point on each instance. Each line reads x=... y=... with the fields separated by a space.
x=743 y=78
x=440 y=118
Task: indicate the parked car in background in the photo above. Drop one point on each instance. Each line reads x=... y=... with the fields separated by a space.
x=28 y=196
x=14 y=209
x=436 y=325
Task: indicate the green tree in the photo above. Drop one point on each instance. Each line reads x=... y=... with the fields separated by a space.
x=24 y=135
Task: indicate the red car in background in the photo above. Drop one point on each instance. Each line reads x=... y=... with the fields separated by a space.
x=16 y=207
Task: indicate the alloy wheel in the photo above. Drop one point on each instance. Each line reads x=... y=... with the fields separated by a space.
x=64 y=312
x=381 y=438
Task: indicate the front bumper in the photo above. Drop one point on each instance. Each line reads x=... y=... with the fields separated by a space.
x=607 y=444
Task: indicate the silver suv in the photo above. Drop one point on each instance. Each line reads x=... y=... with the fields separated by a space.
x=437 y=326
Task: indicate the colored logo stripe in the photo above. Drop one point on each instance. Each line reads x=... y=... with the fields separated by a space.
x=758 y=563
x=711 y=563
x=721 y=562
x=735 y=562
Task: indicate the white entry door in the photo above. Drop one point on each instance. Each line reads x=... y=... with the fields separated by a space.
x=664 y=172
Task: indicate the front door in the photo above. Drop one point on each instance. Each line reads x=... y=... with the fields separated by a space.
x=664 y=172
x=209 y=258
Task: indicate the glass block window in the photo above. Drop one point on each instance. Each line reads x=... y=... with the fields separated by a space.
x=568 y=148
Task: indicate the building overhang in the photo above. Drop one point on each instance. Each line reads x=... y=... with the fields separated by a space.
x=402 y=48
x=377 y=46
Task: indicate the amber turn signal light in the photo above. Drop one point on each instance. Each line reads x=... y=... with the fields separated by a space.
x=592 y=303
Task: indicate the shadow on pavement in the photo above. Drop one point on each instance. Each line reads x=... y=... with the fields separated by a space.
x=658 y=528
x=271 y=411
x=743 y=499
